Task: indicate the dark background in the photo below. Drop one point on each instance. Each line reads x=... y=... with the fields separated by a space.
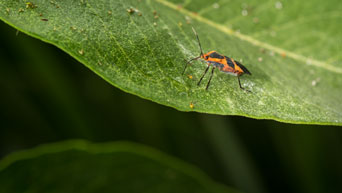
x=47 y=96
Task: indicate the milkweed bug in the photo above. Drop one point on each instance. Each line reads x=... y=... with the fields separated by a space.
x=223 y=63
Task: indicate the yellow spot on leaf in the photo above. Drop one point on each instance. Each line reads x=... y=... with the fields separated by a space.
x=192 y=106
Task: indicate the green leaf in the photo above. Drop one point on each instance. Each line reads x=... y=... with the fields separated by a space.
x=291 y=47
x=79 y=166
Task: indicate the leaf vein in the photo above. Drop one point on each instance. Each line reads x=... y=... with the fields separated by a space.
x=255 y=42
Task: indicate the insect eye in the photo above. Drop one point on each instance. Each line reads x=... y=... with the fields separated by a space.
x=206 y=57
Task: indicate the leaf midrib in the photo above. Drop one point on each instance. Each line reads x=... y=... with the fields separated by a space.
x=253 y=41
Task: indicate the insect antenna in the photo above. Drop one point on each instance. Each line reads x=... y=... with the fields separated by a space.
x=199 y=43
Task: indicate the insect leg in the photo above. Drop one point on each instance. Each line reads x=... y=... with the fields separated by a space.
x=241 y=86
x=188 y=62
x=211 y=76
x=206 y=70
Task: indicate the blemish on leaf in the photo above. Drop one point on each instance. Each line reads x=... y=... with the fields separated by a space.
x=54 y=3
x=260 y=102
x=184 y=50
x=216 y=6
x=109 y=13
x=260 y=59
x=133 y=10
x=244 y=12
x=255 y=20
x=278 y=5
x=230 y=102
x=262 y=50
x=73 y=28
x=155 y=24
x=130 y=10
x=283 y=54
x=155 y=14
x=314 y=82
x=21 y=10
x=187 y=19
x=7 y=10
x=30 y=5
x=180 y=24
x=43 y=19
x=81 y=52
x=248 y=84
x=191 y=105
x=308 y=61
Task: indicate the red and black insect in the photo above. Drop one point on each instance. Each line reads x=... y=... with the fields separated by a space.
x=223 y=63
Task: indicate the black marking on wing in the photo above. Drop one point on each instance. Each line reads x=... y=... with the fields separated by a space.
x=216 y=64
x=216 y=55
x=243 y=68
x=230 y=62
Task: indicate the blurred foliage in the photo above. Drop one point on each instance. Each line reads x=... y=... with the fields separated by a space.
x=79 y=166
x=47 y=96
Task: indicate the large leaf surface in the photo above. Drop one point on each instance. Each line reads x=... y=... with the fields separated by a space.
x=292 y=49
x=78 y=166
